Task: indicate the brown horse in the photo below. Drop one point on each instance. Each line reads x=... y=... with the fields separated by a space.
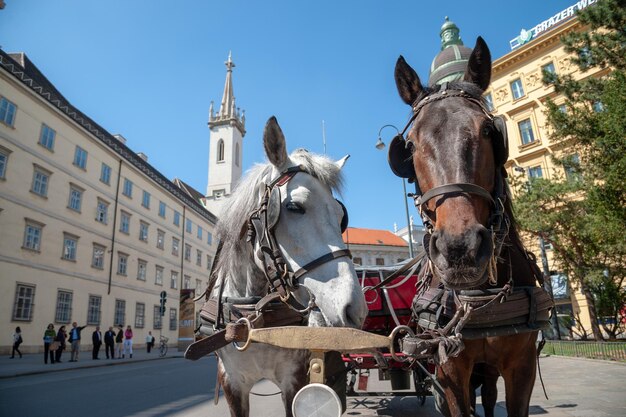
x=455 y=151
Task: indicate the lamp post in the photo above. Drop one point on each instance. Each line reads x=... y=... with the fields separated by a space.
x=380 y=145
x=547 y=279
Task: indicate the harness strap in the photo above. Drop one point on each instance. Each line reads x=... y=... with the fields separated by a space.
x=458 y=188
x=320 y=261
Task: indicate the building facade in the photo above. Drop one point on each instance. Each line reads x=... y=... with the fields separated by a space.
x=375 y=247
x=518 y=93
x=90 y=231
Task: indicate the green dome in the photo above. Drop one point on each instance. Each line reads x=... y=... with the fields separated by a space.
x=450 y=63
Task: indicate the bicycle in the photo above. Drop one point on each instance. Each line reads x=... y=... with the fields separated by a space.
x=163 y=346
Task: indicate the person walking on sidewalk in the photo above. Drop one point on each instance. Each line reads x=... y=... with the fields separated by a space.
x=96 y=339
x=128 y=341
x=48 y=338
x=119 y=341
x=149 y=342
x=17 y=341
x=75 y=341
x=109 y=343
x=61 y=336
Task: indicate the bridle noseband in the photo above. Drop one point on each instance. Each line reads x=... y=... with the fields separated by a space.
x=260 y=234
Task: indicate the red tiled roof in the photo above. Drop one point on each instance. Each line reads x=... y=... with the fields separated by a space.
x=359 y=236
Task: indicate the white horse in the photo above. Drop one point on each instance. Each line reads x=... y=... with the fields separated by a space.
x=306 y=229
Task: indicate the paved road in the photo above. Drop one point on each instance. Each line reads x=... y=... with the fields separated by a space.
x=175 y=387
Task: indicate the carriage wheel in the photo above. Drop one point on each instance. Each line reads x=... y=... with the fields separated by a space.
x=421 y=387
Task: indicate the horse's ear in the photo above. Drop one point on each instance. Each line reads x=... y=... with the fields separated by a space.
x=340 y=163
x=479 y=66
x=407 y=81
x=274 y=143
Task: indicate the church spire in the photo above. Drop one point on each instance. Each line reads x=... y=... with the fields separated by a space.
x=449 y=34
x=228 y=111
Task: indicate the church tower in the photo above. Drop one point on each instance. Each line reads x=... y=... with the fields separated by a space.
x=226 y=132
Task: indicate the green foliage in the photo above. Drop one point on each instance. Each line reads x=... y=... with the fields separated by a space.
x=583 y=213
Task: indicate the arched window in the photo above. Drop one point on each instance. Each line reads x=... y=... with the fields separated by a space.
x=237 y=154
x=220 y=150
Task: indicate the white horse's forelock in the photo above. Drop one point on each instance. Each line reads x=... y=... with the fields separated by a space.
x=235 y=262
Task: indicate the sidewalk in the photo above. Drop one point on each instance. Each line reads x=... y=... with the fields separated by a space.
x=31 y=364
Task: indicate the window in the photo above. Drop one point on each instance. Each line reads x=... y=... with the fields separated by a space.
x=548 y=68
x=4 y=160
x=199 y=234
x=105 y=174
x=32 y=235
x=188 y=226
x=517 y=89
x=187 y=252
x=572 y=168
x=162 y=209
x=102 y=211
x=176 y=218
x=160 y=239
x=80 y=157
x=93 y=310
x=186 y=282
x=143 y=231
x=209 y=238
x=46 y=137
x=220 y=150
x=157 y=317
x=145 y=199
x=41 y=177
x=209 y=261
x=70 y=243
x=64 y=307
x=380 y=261
x=597 y=106
x=142 y=266
x=174 y=280
x=357 y=261
x=128 y=188
x=24 y=302
x=76 y=196
x=173 y=319
x=175 y=243
x=7 y=112
x=198 y=286
x=124 y=222
x=488 y=99
x=198 y=257
x=237 y=154
x=526 y=131
x=97 y=258
x=122 y=263
x=158 y=275
x=140 y=313
x=120 y=313
x=535 y=172
x=563 y=108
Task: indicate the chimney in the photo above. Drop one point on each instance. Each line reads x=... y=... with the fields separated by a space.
x=143 y=156
x=120 y=138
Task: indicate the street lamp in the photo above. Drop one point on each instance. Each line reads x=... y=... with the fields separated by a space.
x=380 y=145
x=547 y=279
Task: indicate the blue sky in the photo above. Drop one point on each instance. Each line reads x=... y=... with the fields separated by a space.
x=149 y=69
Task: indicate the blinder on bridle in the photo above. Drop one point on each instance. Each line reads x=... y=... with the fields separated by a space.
x=261 y=225
x=400 y=158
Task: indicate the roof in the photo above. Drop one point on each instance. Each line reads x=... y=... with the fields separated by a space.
x=360 y=236
x=27 y=73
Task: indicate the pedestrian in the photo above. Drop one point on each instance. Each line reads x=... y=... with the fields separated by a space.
x=75 y=341
x=128 y=341
x=61 y=336
x=119 y=341
x=48 y=339
x=109 y=343
x=17 y=341
x=149 y=341
x=96 y=339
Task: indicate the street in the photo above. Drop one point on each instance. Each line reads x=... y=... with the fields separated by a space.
x=176 y=387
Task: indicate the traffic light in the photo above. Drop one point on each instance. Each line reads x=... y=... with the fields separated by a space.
x=163 y=301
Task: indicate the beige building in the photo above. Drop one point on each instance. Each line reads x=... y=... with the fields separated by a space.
x=375 y=247
x=518 y=93
x=89 y=230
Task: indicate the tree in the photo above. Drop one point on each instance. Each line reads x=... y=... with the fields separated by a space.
x=582 y=214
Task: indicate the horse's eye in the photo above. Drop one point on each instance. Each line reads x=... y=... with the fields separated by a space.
x=295 y=207
x=487 y=130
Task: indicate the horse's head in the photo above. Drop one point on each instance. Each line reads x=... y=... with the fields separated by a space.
x=454 y=151
x=307 y=222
